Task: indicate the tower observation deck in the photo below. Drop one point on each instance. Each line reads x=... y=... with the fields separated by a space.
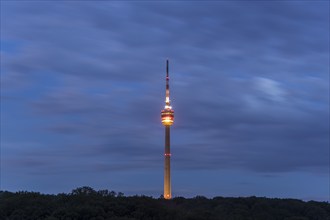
x=167 y=116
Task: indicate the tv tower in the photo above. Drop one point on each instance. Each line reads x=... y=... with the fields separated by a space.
x=167 y=116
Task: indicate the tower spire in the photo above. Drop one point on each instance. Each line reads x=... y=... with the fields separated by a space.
x=167 y=99
x=167 y=68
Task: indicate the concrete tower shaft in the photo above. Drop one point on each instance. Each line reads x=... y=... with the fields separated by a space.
x=167 y=165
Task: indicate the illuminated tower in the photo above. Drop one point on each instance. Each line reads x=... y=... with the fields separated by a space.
x=167 y=116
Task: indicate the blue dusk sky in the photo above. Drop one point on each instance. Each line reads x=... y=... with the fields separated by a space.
x=83 y=84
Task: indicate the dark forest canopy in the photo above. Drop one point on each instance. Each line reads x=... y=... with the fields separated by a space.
x=87 y=203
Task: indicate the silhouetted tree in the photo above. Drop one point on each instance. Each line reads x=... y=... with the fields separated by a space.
x=86 y=203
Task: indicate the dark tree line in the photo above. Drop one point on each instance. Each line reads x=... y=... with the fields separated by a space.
x=87 y=203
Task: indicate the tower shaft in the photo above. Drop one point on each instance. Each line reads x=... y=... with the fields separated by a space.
x=167 y=170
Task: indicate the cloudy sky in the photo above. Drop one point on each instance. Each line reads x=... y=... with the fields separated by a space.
x=83 y=84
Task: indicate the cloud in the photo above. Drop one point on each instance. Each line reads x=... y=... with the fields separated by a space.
x=270 y=88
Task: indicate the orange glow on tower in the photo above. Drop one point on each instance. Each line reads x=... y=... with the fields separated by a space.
x=167 y=116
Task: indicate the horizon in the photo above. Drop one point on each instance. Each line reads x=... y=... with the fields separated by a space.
x=82 y=88
x=155 y=197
